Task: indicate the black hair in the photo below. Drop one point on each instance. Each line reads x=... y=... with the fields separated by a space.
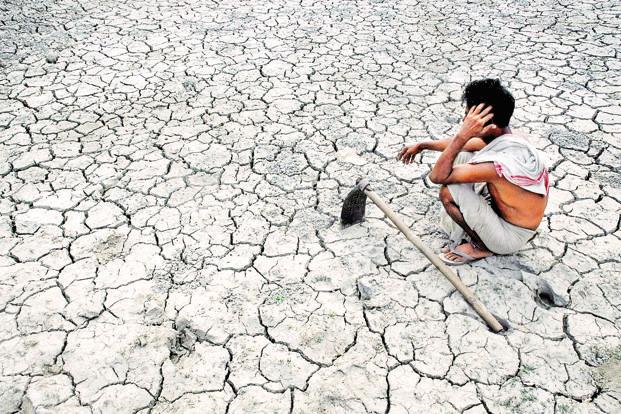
x=491 y=92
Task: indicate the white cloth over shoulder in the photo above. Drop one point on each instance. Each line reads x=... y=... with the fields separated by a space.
x=516 y=160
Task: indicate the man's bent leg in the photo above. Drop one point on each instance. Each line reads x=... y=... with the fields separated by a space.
x=455 y=231
x=452 y=209
x=475 y=212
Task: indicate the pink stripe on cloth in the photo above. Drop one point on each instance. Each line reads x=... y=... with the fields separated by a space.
x=498 y=168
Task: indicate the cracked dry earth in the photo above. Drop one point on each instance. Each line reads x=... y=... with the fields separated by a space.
x=171 y=178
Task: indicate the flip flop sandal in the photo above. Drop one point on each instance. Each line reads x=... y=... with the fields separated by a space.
x=466 y=258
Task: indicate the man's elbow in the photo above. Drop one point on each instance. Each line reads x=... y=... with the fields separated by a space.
x=434 y=178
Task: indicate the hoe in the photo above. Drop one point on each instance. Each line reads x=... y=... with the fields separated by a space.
x=353 y=212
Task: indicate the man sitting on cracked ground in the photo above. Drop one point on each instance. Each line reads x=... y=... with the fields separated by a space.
x=494 y=183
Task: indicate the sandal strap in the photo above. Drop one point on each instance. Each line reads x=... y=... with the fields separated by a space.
x=462 y=255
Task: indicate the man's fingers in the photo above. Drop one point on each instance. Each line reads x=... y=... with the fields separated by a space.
x=479 y=108
x=487 y=118
x=407 y=154
x=486 y=110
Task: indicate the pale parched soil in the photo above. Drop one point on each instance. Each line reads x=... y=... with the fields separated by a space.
x=172 y=173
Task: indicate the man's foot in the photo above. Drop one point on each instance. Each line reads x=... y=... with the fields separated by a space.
x=464 y=253
x=451 y=245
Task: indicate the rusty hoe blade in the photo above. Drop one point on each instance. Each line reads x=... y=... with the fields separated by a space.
x=353 y=207
x=355 y=204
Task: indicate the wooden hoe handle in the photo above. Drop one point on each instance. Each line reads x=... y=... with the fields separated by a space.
x=479 y=308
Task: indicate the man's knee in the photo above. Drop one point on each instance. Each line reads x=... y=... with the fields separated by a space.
x=445 y=195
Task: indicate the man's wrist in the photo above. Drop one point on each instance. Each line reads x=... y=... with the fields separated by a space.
x=461 y=137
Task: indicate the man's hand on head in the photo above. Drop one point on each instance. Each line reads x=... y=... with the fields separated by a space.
x=475 y=121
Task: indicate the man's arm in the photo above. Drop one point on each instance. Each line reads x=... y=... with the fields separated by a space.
x=470 y=173
x=443 y=168
x=407 y=154
x=473 y=144
x=473 y=125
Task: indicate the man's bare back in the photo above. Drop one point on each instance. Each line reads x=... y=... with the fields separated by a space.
x=516 y=205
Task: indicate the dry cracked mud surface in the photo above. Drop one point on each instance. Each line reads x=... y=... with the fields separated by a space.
x=172 y=173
